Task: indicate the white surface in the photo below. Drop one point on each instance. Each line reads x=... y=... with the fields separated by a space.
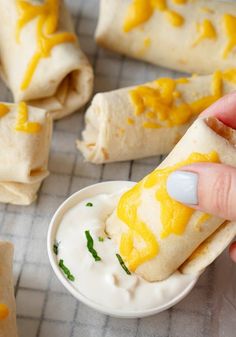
x=104 y=285
x=45 y=309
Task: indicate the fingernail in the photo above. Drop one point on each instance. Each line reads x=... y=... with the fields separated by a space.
x=182 y=186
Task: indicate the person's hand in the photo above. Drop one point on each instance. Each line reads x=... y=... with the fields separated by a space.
x=210 y=187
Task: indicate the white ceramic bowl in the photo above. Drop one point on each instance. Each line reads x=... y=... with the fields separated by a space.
x=88 y=192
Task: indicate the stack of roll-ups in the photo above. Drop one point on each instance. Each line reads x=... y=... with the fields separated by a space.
x=196 y=36
x=40 y=57
x=156 y=234
x=7 y=300
x=24 y=149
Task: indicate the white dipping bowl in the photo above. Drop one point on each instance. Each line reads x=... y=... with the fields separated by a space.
x=88 y=192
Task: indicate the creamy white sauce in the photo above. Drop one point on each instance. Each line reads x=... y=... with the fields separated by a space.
x=105 y=282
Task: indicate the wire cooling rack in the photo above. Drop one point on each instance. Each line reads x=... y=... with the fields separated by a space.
x=44 y=307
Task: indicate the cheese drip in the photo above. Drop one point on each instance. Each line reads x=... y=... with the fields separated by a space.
x=158 y=103
x=3 y=109
x=140 y=11
x=4 y=311
x=22 y=123
x=206 y=30
x=229 y=22
x=174 y=216
x=47 y=15
x=179 y=2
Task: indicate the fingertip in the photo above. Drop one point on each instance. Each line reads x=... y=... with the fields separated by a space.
x=224 y=109
x=232 y=251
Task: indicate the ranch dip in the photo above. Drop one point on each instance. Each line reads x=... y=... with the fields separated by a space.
x=98 y=272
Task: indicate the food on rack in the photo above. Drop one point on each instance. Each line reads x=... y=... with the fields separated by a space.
x=25 y=136
x=7 y=300
x=150 y=119
x=41 y=60
x=196 y=36
x=156 y=234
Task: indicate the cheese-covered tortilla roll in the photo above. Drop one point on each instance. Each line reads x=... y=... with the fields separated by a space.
x=7 y=300
x=150 y=119
x=187 y=35
x=41 y=60
x=25 y=136
x=157 y=234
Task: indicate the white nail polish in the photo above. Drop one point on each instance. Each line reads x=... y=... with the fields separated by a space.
x=182 y=186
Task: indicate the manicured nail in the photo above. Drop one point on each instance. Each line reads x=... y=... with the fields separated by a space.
x=182 y=186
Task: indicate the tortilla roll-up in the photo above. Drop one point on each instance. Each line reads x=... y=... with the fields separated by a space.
x=8 y=326
x=210 y=249
x=18 y=193
x=41 y=60
x=157 y=234
x=25 y=141
x=150 y=119
x=173 y=34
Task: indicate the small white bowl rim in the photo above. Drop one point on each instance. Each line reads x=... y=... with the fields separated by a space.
x=103 y=187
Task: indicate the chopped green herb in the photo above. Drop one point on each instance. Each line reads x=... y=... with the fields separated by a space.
x=66 y=271
x=55 y=247
x=100 y=238
x=89 y=204
x=123 y=264
x=90 y=246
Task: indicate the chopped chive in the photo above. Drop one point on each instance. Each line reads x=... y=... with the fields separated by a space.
x=89 y=204
x=55 y=247
x=100 y=238
x=90 y=246
x=66 y=271
x=123 y=264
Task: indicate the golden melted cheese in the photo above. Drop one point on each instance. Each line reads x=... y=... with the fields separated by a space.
x=229 y=22
x=4 y=311
x=159 y=103
x=139 y=244
x=140 y=11
x=47 y=15
x=180 y=2
x=22 y=123
x=3 y=109
x=205 y=30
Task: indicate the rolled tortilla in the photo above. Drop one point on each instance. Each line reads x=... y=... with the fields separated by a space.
x=41 y=60
x=180 y=35
x=18 y=193
x=7 y=300
x=157 y=234
x=25 y=142
x=150 y=119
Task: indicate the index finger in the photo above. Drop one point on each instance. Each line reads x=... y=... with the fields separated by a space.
x=224 y=109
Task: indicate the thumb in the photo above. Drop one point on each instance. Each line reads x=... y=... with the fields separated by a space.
x=207 y=187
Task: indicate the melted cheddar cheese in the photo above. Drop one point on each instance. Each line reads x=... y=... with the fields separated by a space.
x=206 y=30
x=159 y=103
x=229 y=22
x=3 y=109
x=139 y=244
x=4 y=311
x=22 y=123
x=140 y=11
x=179 y=2
x=47 y=15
